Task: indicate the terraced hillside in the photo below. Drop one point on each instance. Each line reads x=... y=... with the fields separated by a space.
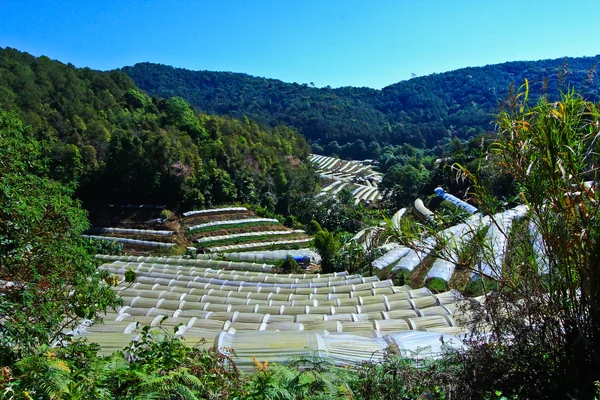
x=238 y=229
x=358 y=176
x=223 y=230
x=245 y=308
x=138 y=227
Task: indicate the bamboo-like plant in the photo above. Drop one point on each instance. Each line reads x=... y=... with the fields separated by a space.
x=545 y=319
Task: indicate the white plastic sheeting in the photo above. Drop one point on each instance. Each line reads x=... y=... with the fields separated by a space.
x=186 y=262
x=456 y=236
x=339 y=189
x=367 y=237
x=397 y=218
x=247 y=235
x=455 y=200
x=214 y=211
x=539 y=248
x=497 y=237
x=391 y=257
x=257 y=245
x=409 y=261
x=125 y=231
x=273 y=255
x=341 y=349
x=331 y=186
x=130 y=241
x=233 y=222
x=421 y=209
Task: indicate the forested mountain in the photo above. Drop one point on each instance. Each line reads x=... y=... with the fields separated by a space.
x=104 y=136
x=354 y=122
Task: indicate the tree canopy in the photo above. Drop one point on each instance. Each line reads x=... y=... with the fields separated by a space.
x=352 y=122
x=115 y=144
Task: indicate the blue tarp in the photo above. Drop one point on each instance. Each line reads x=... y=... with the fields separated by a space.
x=454 y=200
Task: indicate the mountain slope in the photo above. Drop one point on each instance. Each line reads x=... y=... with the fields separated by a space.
x=117 y=145
x=421 y=111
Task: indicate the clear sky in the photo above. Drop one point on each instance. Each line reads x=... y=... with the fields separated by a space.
x=329 y=42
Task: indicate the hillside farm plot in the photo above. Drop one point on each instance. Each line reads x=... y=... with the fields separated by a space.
x=135 y=226
x=242 y=307
x=145 y=230
x=238 y=229
x=358 y=175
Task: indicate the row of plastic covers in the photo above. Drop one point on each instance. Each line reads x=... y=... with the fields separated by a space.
x=198 y=279
x=350 y=341
x=243 y=246
x=202 y=303
x=214 y=211
x=203 y=263
x=497 y=237
x=272 y=255
x=126 y=231
x=234 y=222
x=147 y=243
x=247 y=235
x=342 y=350
x=456 y=237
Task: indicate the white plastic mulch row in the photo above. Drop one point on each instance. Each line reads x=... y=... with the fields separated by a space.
x=539 y=248
x=342 y=349
x=421 y=209
x=132 y=231
x=272 y=255
x=365 y=194
x=456 y=237
x=330 y=163
x=497 y=237
x=214 y=211
x=233 y=222
x=397 y=218
x=329 y=175
x=408 y=259
x=391 y=257
x=358 y=189
x=255 y=245
x=247 y=234
x=331 y=186
x=178 y=262
x=339 y=188
x=130 y=241
x=373 y=195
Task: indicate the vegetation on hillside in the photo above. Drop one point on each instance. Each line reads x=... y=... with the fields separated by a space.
x=96 y=136
x=355 y=122
x=115 y=144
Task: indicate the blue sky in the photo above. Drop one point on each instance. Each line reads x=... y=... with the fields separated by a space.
x=329 y=42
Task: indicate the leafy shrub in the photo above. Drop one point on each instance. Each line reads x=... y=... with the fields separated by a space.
x=289 y=266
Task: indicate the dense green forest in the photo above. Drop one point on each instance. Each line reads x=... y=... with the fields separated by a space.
x=354 y=122
x=114 y=143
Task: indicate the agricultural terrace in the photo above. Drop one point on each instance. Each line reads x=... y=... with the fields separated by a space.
x=357 y=176
x=242 y=306
x=229 y=232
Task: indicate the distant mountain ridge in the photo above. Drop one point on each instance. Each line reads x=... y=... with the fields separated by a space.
x=422 y=111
